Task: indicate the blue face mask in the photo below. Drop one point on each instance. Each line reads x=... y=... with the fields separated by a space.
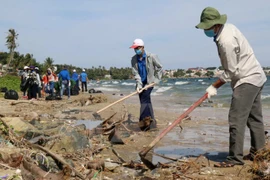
x=209 y=33
x=138 y=51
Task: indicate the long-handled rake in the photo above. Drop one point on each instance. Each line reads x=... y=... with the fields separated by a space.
x=96 y=114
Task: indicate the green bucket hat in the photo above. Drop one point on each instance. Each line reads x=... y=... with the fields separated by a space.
x=210 y=17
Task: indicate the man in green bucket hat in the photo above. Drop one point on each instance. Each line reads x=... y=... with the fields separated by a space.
x=247 y=79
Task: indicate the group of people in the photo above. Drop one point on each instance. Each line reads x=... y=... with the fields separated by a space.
x=241 y=68
x=33 y=85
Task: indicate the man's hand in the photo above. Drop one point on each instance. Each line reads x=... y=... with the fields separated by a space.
x=69 y=83
x=139 y=90
x=212 y=91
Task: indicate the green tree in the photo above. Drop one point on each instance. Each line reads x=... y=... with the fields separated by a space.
x=220 y=68
x=11 y=44
x=48 y=63
x=210 y=73
x=198 y=73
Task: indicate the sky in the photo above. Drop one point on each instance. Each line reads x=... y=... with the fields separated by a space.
x=88 y=33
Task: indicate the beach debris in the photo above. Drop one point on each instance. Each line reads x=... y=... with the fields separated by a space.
x=261 y=163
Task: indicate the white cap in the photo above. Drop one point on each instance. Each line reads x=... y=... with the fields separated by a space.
x=74 y=70
x=25 y=67
x=36 y=68
x=137 y=43
x=83 y=69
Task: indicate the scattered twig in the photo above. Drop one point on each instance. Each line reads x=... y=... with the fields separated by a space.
x=6 y=166
x=119 y=157
x=20 y=102
x=165 y=157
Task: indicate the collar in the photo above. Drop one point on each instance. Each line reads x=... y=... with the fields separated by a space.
x=143 y=57
x=216 y=37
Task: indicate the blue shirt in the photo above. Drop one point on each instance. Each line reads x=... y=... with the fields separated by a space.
x=75 y=76
x=83 y=77
x=142 y=68
x=64 y=74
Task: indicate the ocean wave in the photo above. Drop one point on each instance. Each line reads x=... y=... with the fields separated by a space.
x=200 y=80
x=128 y=84
x=181 y=82
x=107 y=89
x=115 y=82
x=265 y=96
x=107 y=85
x=163 y=89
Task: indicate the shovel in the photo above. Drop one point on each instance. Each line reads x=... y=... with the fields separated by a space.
x=143 y=153
x=96 y=114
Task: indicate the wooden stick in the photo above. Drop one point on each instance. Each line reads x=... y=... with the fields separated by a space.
x=148 y=86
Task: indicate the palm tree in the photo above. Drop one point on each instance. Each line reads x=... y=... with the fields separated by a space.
x=11 y=44
x=48 y=63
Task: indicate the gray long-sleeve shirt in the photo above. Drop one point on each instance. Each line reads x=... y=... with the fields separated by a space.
x=238 y=59
x=153 y=68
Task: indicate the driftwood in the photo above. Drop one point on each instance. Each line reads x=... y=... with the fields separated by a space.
x=57 y=158
x=36 y=172
x=15 y=139
x=165 y=157
x=20 y=102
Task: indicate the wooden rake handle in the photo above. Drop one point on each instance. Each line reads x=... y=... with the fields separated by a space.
x=148 y=86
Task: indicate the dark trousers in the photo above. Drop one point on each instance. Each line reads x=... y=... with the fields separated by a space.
x=77 y=84
x=32 y=91
x=84 y=84
x=39 y=92
x=246 y=109
x=146 y=109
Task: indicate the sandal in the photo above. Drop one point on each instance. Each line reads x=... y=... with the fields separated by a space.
x=248 y=157
x=224 y=165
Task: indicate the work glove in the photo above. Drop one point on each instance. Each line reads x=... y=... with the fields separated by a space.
x=212 y=91
x=69 y=83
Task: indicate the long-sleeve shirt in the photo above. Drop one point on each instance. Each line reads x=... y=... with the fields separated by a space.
x=153 y=69
x=238 y=59
x=75 y=76
x=64 y=74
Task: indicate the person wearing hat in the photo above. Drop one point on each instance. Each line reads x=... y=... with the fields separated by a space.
x=24 y=85
x=64 y=79
x=146 y=69
x=75 y=77
x=83 y=79
x=247 y=77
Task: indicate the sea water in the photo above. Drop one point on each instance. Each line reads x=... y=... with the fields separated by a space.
x=177 y=92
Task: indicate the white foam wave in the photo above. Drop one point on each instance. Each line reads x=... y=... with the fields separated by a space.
x=107 y=85
x=155 y=94
x=128 y=84
x=163 y=89
x=200 y=80
x=265 y=96
x=115 y=82
x=181 y=82
x=107 y=89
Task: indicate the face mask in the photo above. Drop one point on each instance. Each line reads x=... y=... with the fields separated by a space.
x=49 y=72
x=138 y=51
x=209 y=33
